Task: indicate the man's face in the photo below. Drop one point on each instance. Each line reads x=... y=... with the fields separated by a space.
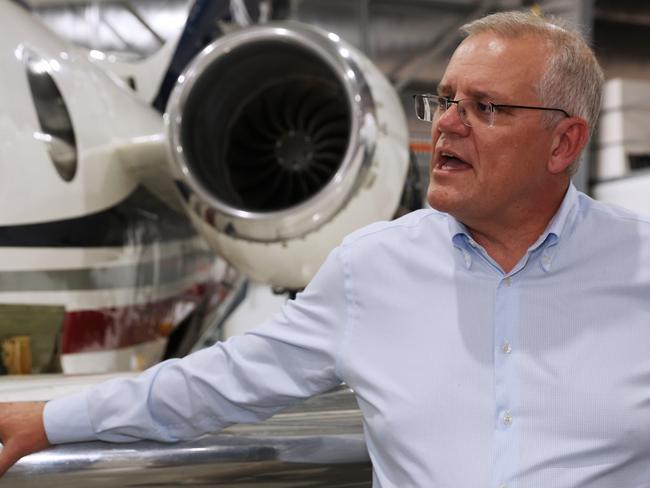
x=500 y=169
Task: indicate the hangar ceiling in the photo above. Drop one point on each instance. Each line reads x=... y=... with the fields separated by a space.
x=409 y=39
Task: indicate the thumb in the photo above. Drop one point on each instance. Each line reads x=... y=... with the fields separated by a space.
x=8 y=457
x=21 y=431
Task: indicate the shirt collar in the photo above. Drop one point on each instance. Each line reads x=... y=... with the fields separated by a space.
x=559 y=225
x=461 y=239
x=561 y=221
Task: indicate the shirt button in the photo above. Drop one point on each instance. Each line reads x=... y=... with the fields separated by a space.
x=503 y=485
x=508 y=281
x=506 y=418
x=506 y=348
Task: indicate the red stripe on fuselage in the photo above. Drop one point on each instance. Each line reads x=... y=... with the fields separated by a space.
x=118 y=327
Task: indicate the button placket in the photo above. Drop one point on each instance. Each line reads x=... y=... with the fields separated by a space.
x=506 y=322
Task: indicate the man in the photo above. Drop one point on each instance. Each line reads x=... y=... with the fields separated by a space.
x=500 y=340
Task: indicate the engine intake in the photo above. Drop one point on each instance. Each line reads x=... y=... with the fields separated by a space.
x=273 y=139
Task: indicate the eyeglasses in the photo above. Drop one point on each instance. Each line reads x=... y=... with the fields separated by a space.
x=471 y=112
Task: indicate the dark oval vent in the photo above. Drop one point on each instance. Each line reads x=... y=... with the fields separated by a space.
x=56 y=127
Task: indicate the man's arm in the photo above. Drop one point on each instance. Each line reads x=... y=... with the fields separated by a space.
x=248 y=378
x=22 y=432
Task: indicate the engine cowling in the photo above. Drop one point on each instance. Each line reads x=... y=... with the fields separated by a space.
x=284 y=139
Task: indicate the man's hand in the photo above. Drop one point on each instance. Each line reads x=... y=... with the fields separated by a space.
x=21 y=432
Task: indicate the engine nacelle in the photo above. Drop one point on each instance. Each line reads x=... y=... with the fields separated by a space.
x=285 y=138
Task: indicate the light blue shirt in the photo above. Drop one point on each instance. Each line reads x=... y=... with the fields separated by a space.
x=466 y=377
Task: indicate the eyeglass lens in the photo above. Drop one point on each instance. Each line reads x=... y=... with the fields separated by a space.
x=471 y=112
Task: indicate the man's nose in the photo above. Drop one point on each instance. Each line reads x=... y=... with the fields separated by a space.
x=451 y=122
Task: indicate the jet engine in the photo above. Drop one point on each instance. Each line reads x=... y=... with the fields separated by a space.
x=284 y=138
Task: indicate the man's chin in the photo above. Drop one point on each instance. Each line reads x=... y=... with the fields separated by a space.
x=444 y=200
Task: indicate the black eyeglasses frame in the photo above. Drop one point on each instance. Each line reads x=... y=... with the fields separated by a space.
x=493 y=106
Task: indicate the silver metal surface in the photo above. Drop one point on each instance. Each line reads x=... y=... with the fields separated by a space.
x=318 y=444
x=298 y=220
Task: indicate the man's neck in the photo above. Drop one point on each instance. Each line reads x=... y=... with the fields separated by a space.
x=509 y=246
x=508 y=239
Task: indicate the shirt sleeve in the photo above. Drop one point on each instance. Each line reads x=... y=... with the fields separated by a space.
x=247 y=378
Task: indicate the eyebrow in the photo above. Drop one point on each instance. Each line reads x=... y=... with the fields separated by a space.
x=443 y=90
x=446 y=90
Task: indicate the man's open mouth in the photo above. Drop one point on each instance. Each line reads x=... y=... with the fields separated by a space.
x=451 y=162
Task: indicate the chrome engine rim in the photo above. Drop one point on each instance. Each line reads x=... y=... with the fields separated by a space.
x=294 y=220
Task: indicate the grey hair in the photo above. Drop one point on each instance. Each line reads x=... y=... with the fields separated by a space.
x=572 y=80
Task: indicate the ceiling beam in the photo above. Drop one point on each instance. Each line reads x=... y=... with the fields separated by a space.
x=65 y=3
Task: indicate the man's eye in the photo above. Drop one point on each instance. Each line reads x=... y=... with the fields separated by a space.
x=483 y=107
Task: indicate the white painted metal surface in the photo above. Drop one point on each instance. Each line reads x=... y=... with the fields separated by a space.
x=631 y=192
x=624 y=127
x=58 y=104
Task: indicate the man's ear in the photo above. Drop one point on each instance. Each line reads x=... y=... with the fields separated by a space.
x=570 y=137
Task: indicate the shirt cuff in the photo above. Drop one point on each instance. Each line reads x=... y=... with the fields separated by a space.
x=67 y=420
